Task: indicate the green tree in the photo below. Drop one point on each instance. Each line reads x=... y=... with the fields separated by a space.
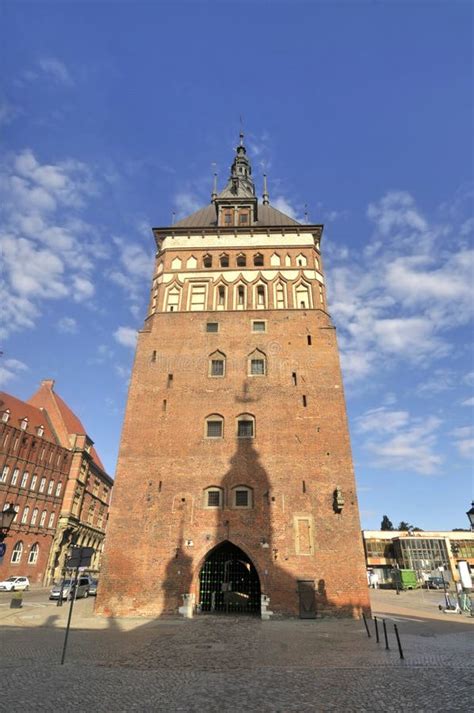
x=405 y=526
x=386 y=523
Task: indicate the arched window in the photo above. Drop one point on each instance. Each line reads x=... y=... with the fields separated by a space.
x=17 y=553
x=258 y=260
x=220 y=297
x=191 y=262
x=302 y=296
x=214 y=426
x=280 y=295
x=50 y=487
x=241 y=260
x=43 y=518
x=245 y=426
x=34 y=516
x=242 y=497
x=213 y=497
x=33 y=556
x=224 y=260
x=301 y=260
x=24 y=517
x=51 y=521
x=257 y=363
x=58 y=489
x=176 y=263
x=207 y=260
x=275 y=260
x=173 y=299
x=217 y=364
x=260 y=296
x=240 y=296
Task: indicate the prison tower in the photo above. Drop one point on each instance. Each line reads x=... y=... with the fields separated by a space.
x=235 y=475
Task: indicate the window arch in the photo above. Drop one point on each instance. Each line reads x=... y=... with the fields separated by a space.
x=275 y=260
x=191 y=262
x=260 y=296
x=240 y=295
x=43 y=518
x=221 y=296
x=213 y=497
x=25 y=515
x=217 y=364
x=207 y=260
x=245 y=426
x=257 y=363
x=280 y=295
x=302 y=296
x=51 y=520
x=224 y=260
x=301 y=260
x=34 y=516
x=242 y=497
x=241 y=260
x=17 y=553
x=33 y=556
x=173 y=298
x=258 y=260
x=214 y=426
x=176 y=263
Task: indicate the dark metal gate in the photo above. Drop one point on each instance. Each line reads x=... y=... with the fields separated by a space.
x=307 y=599
x=229 y=582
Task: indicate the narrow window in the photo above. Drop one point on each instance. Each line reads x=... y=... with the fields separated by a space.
x=15 y=475
x=24 y=424
x=260 y=296
x=34 y=517
x=304 y=401
x=40 y=431
x=17 y=552
x=309 y=340
x=217 y=367
x=24 y=517
x=24 y=479
x=280 y=296
x=42 y=485
x=170 y=379
x=153 y=355
x=33 y=482
x=33 y=556
x=58 y=489
x=221 y=296
x=50 y=487
x=4 y=476
x=164 y=404
x=43 y=518
x=6 y=416
x=212 y=327
x=240 y=296
x=304 y=485
x=243 y=218
x=294 y=378
x=51 y=520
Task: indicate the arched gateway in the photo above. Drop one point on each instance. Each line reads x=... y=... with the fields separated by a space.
x=229 y=582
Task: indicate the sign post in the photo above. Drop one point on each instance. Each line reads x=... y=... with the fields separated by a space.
x=78 y=557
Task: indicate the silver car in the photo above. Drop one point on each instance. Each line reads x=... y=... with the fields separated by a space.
x=67 y=587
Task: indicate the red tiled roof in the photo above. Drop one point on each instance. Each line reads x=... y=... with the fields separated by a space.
x=63 y=418
x=22 y=409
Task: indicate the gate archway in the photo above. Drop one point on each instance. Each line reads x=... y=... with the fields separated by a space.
x=229 y=582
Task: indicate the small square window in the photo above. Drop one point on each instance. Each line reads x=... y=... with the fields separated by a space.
x=245 y=429
x=242 y=498
x=257 y=367
x=259 y=326
x=243 y=218
x=217 y=367
x=213 y=498
x=214 y=429
x=212 y=327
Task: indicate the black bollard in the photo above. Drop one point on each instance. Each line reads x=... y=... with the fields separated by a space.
x=398 y=641
x=385 y=634
x=366 y=625
x=376 y=630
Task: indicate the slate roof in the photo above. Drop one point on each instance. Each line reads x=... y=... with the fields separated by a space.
x=268 y=216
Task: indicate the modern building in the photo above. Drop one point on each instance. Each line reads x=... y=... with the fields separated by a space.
x=235 y=476
x=422 y=551
x=51 y=472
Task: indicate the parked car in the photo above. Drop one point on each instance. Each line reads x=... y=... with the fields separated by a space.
x=67 y=585
x=436 y=583
x=93 y=587
x=13 y=584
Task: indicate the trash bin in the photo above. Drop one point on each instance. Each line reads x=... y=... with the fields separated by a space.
x=16 y=600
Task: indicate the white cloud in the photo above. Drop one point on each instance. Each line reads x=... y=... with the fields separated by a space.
x=126 y=336
x=67 y=325
x=7 y=112
x=400 y=441
x=132 y=272
x=10 y=369
x=186 y=202
x=464 y=440
x=468 y=402
x=56 y=69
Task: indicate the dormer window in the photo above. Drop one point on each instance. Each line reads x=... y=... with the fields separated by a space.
x=244 y=218
x=5 y=416
x=40 y=431
x=228 y=217
x=24 y=424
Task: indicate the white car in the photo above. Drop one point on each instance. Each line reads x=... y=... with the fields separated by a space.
x=13 y=584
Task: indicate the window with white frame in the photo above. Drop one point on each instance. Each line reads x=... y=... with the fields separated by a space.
x=43 y=518
x=173 y=297
x=17 y=510
x=6 y=416
x=34 y=480
x=24 y=479
x=259 y=326
x=24 y=424
x=34 y=516
x=17 y=553
x=40 y=431
x=280 y=295
x=25 y=515
x=42 y=485
x=242 y=497
x=50 y=487
x=217 y=364
x=214 y=426
x=4 y=475
x=213 y=497
x=58 y=489
x=302 y=296
x=240 y=297
x=51 y=520
x=33 y=555
x=260 y=297
x=221 y=294
x=257 y=363
x=246 y=426
x=197 y=297
x=15 y=474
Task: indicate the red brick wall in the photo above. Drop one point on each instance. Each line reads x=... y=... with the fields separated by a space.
x=299 y=455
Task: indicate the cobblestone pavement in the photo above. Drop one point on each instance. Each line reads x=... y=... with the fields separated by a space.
x=234 y=664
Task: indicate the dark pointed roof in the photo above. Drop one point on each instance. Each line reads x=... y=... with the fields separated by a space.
x=206 y=217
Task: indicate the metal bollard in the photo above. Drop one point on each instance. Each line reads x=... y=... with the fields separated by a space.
x=376 y=630
x=16 y=601
x=398 y=641
x=385 y=634
x=366 y=625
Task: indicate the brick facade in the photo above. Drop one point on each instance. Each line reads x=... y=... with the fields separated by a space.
x=298 y=458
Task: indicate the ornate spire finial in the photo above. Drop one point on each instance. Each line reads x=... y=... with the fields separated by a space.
x=241 y=135
x=265 y=196
x=214 y=185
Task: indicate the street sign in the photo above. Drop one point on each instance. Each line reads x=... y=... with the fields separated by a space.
x=3 y=549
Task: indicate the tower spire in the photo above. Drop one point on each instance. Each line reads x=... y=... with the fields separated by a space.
x=214 y=188
x=265 y=196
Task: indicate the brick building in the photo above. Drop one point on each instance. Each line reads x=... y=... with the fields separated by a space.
x=235 y=475
x=50 y=471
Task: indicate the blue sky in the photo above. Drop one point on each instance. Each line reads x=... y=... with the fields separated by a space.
x=111 y=116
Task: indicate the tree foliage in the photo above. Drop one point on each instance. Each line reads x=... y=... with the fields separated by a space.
x=386 y=523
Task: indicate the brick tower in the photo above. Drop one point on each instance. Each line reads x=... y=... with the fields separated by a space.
x=235 y=476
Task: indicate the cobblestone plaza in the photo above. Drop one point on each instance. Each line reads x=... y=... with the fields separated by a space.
x=216 y=663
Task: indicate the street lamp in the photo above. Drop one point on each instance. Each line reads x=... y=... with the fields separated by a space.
x=470 y=514
x=6 y=519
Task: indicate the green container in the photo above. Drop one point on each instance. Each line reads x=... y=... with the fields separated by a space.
x=406 y=578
